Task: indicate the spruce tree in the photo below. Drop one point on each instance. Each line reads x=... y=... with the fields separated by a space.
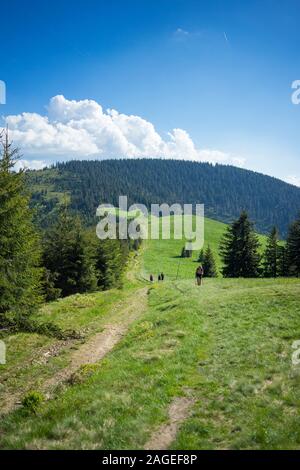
x=109 y=263
x=283 y=265
x=125 y=247
x=19 y=245
x=201 y=256
x=293 y=248
x=271 y=265
x=239 y=249
x=50 y=292
x=209 y=264
x=67 y=255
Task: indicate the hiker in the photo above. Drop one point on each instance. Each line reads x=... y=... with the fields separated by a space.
x=151 y=278
x=199 y=275
x=162 y=276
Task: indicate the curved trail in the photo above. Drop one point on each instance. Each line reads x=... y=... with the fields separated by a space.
x=163 y=437
x=102 y=343
x=96 y=347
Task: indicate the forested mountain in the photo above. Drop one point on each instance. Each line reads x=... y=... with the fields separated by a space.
x=225 y=190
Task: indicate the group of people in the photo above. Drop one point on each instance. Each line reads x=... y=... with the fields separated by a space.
x=160 y=277
x=198 y=275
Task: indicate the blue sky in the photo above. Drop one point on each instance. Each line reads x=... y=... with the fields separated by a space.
x=219 y=70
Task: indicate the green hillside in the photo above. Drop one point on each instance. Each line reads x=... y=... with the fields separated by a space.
x=164 y=255
x=225 y=190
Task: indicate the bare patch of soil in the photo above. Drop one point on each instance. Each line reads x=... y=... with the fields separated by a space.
x=92 y=351
x=163 y=437
x=102 y=343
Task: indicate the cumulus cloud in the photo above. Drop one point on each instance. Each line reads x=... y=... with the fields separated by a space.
x=83 y=130
x=29 y=165
x=292 y=179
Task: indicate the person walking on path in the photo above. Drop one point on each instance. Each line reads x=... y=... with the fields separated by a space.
x=199 y=275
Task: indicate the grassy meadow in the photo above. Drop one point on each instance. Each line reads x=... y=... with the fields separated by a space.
x=227 y=346
x=164 y=255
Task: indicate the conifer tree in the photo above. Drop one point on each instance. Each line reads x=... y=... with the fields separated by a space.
x=67 y=255
x=283 y=264
x=271 y=265
x=50 y=292
x=19 y=244
x=109 y=263
x=293 y=248
x=201 y=256
x=209 y=264
x=239 y=249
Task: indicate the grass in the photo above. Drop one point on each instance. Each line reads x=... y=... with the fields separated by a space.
x=228 y=344
x=27 y=367
x=164 y=255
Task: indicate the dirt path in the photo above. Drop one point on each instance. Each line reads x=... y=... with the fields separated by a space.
x=102 y=343
x=92 y=351
x=164 y=436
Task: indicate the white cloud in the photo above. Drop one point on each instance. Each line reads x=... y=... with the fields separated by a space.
x=292 y=179
x=82 y=130
x=29 y=165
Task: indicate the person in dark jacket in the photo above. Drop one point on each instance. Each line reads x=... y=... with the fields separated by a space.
x=199 y=275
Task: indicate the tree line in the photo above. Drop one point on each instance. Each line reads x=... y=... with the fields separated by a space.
x=223 y=189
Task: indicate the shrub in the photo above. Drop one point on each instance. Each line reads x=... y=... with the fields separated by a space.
x=84 y=372
x=32 y=401
x=46 y=328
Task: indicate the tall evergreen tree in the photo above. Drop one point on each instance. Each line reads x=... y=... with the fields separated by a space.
x=283 y=264
x=293 y=248
x=239 y=249
x=271 y=261
x=109 y=262
x=67 y=255
x=209 y=263
x=201 y=256
x=50 y=292
x=19 y=244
